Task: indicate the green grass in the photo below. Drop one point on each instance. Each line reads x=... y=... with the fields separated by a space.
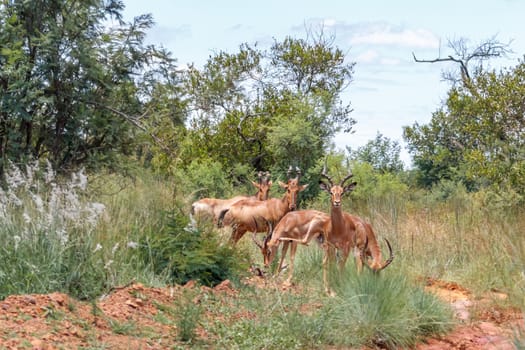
x=384 y=310
x=142 y=229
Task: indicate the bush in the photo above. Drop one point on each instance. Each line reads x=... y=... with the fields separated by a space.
x=184 y=253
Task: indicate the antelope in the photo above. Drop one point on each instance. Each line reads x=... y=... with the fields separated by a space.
x=212 y=207
x=350 y=231
x=240 y=216
x=294 y=225
x=340 y=230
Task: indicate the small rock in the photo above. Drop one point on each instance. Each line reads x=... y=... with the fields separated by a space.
x=30 y=299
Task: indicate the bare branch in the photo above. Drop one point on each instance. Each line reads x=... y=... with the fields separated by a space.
x=464 y=55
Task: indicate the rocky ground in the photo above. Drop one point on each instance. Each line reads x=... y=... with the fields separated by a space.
x=129 y=318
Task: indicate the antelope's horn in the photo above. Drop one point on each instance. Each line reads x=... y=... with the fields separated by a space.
x=325 y=175
x=389 y=261
x=349 y=176
x=289 y=172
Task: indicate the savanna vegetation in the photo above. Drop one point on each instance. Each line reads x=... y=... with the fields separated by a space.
x=105 y=142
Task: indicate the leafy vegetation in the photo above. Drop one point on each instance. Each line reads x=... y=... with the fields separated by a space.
x=81 y=94
x=477 y=136
x=185 y=254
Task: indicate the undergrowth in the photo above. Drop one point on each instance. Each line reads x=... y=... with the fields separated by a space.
x=63 y=234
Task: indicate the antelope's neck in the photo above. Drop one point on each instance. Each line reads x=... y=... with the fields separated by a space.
x=338 y=222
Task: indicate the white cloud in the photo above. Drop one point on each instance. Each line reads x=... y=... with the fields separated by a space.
x=386 y=34
x=374 y=57
x=368 y=56
x=390 y=61
x=377 y=33
x=329 y=22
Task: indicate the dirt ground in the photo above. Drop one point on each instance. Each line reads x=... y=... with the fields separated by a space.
x=129 y=318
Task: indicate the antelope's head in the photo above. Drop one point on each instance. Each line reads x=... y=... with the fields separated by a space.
x=293 y=188
x=336 y=191
x=263 y=185
x=375 y=266
x=267 y=251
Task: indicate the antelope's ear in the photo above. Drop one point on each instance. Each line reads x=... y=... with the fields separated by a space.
x=303 y=187
x=324 y=186
x=282 y=184
x=350 y=187
x=256 y=184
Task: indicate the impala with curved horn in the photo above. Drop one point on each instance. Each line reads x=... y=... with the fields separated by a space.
x=212 y=207
x=240 y=216
x=342 y=231
x=350 y=231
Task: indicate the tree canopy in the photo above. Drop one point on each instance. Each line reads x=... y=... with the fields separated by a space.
x=71 y=75
x=79 y=87
x=268 y=108
x=478 y=136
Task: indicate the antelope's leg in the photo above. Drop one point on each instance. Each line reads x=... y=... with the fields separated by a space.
x=344 y=258
x=292 y=258
x=328 y=256
x=283 y=255
x=358 y=259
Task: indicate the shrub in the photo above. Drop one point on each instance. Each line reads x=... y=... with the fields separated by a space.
x=185 y=253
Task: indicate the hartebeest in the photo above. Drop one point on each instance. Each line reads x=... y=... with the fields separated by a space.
x=212 y=207
x=252 y=216
x=295 y=225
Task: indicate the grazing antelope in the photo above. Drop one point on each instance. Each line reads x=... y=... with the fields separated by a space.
x=295 y=225
x=212 y=207
x=240 y=216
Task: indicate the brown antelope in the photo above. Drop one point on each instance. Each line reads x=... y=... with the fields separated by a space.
x=240 y=216
x=295 y=225
x=350 y=231
x=341 y=231
x=212 y=207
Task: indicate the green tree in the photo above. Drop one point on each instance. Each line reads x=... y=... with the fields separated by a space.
x=382 y=153
x=270 y=108
x=478 y=136
x=72 y=76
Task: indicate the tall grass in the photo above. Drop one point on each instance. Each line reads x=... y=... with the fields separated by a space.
x=463 y=238
x=46 y=227
x=386 y=311
x=65 y=234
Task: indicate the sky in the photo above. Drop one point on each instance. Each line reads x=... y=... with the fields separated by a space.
x=389 y=90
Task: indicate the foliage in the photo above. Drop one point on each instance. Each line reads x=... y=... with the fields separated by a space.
x=477 y=137
x=188 y=316
x=68 y=85
x=267 y=108
x=382 y=153
x=376 y=189
x=208 y=178
x=47 y=227
x=184 y=254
